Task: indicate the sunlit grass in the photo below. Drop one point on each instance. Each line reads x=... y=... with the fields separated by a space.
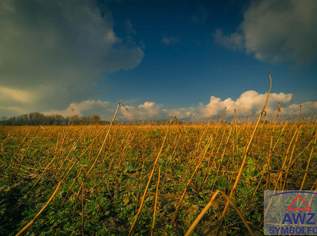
x=88 y=187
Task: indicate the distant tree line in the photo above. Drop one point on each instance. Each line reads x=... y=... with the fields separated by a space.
x=37 y=118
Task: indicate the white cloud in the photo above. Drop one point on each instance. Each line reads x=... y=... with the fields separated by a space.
x=249 y=103
x=183 y=113
x=58 y=50
x=145 y=111
x=306 y=108
x=86 y=107
x=277 y=31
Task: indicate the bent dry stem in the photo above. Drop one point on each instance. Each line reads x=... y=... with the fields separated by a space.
x=134 y=196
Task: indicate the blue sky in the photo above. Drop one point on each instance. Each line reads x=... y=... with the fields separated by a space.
x=160 y=58
x=194 y=67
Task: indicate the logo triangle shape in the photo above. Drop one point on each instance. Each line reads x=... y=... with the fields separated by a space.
x=299 y=200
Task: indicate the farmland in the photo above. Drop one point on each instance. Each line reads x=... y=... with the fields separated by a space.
x=149 y=179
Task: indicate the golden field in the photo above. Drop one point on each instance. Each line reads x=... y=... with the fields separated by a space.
x=201 y=179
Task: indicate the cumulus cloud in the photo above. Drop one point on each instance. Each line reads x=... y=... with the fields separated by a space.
x=183 y=113
x=277 y=31
x=145 y=111
x=248 y=104
x=57 y=50
x=86 y=107
x=307 y=108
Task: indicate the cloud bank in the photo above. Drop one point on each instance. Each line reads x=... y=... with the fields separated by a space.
x=56 y=51
x=249 y=103
x=276 y=31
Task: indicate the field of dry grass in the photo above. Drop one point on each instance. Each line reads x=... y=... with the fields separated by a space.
x=140 y=179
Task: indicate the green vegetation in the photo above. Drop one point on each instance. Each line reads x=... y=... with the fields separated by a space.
x=88 y=182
